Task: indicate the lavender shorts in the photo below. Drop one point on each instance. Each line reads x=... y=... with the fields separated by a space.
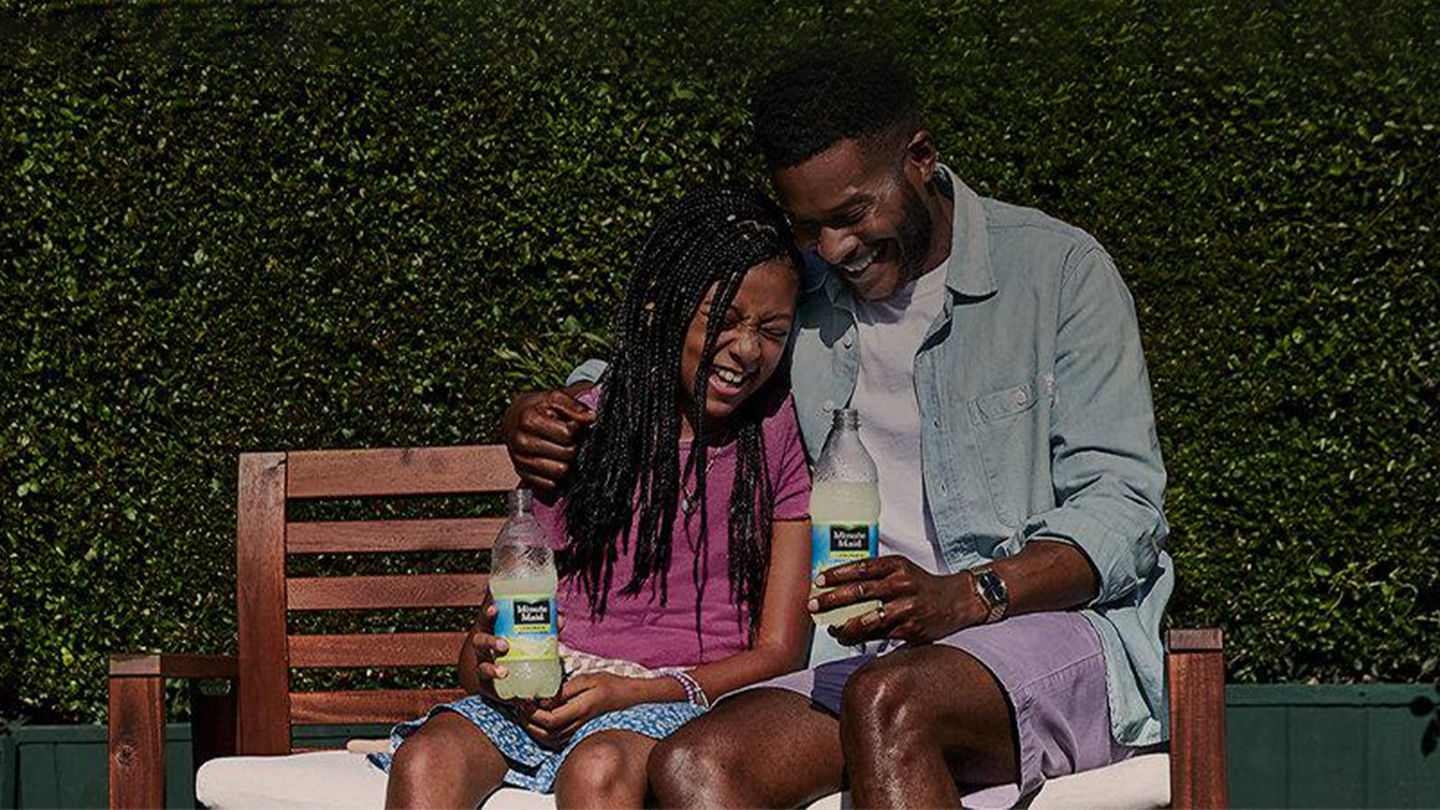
x=1052 y=670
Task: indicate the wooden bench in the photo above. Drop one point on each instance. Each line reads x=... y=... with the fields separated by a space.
x=257 y=715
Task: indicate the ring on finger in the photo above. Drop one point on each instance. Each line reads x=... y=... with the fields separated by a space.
x=881 y=612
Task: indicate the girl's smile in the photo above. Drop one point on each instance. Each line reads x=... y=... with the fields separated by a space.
x=751 y=341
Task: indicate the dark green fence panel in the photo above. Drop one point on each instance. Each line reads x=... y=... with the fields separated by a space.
x=1258 y=750
x=65 y=766
x=336 y=736
x=1289 y=746
x=1323 y=767
x=1333 y=746
x=7 y=773
x=1389 y=756
x=39 y=783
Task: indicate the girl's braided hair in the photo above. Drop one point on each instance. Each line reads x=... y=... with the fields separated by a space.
x=630 y=462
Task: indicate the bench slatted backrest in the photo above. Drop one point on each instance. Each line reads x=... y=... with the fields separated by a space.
x=268 y=481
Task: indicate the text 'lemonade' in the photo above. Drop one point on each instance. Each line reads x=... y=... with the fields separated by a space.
x=522 y=580
x=844 y=510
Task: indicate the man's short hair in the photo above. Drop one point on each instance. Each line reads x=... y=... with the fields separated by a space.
x=813 y=103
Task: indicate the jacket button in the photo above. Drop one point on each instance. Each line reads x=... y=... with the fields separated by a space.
x=1021 y=398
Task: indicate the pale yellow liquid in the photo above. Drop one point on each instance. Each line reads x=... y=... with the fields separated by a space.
x=532 y=678
x=843 y=502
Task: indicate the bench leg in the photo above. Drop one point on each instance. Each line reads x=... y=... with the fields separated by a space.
x=1197 y=722
x=137 y=742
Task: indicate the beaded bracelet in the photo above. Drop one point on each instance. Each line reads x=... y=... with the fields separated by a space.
x=694 y=692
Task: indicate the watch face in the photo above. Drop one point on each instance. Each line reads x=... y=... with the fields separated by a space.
x=994 y=588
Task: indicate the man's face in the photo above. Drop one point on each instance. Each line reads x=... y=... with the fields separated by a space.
x=862 y=212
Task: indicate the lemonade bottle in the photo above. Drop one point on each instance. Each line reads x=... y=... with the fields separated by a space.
x=844 y=509
x=522 y=580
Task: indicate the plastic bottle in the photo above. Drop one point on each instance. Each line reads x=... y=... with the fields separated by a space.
x=844 y=509
x=522 y=581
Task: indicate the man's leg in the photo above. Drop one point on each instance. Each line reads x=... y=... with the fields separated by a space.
x=762 y=748
x=916 y=719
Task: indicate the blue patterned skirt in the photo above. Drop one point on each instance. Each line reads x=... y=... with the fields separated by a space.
x=531 y=766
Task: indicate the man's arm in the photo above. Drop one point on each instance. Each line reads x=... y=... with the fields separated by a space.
x=1108 y=476
x=920 y=606
x=1105 y=535
x=542 y=432
x=541 y=429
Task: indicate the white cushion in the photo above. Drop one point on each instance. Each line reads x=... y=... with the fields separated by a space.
x=316 y=781
x=1141 y=782
x=340 y=779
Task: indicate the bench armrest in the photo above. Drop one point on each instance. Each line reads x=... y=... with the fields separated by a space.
x=169 y=665
x=137 y=720
x=1195 y=668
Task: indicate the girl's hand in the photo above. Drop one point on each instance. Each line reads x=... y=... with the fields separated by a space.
x=581 y=699
x=488 y=647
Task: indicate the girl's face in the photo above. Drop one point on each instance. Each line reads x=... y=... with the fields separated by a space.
x=751 y=342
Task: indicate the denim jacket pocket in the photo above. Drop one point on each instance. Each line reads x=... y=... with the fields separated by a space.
x=1004 y=436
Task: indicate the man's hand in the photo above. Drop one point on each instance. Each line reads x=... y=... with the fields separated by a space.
x=581 y=699
x=916 y=606
x=542 y=431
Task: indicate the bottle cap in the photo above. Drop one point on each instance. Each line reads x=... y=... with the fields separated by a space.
x=520 y=500
x=845 y=417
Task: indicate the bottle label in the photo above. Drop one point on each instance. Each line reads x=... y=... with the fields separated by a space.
x=833 y=544
x=526 y=615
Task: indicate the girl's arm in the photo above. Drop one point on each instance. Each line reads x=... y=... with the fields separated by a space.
x=784 y=632
x=780 y=645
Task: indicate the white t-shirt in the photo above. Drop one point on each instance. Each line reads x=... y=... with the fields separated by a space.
x=890 y=332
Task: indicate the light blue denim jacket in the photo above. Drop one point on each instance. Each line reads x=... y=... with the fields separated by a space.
x=1036 y=422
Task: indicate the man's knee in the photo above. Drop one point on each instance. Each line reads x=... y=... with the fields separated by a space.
x=673 y=769
x=927 y=695
x=881 y=694
x=685 y=770
x=914 y=691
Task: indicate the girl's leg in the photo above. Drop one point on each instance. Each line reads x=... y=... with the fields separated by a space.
x=448 y=763
x=606 y=769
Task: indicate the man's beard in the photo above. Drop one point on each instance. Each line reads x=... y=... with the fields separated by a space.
x=913 y=235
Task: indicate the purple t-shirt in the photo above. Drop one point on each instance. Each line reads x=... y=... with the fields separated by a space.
x=640 y=629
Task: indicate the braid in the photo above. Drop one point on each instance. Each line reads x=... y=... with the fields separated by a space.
x=629 y=468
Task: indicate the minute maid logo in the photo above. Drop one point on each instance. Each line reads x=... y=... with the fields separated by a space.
x=849 y=539
x=532 y=615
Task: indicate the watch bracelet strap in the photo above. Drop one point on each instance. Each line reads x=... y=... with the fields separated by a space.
x=995 y=611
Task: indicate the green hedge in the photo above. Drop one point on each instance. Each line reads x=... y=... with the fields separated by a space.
x=232 y=227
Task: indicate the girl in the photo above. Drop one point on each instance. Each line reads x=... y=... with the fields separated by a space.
x=684 y=568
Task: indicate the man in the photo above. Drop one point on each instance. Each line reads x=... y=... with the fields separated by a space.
x=994 y=357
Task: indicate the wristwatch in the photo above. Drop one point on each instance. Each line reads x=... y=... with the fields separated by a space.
x=992 y=592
